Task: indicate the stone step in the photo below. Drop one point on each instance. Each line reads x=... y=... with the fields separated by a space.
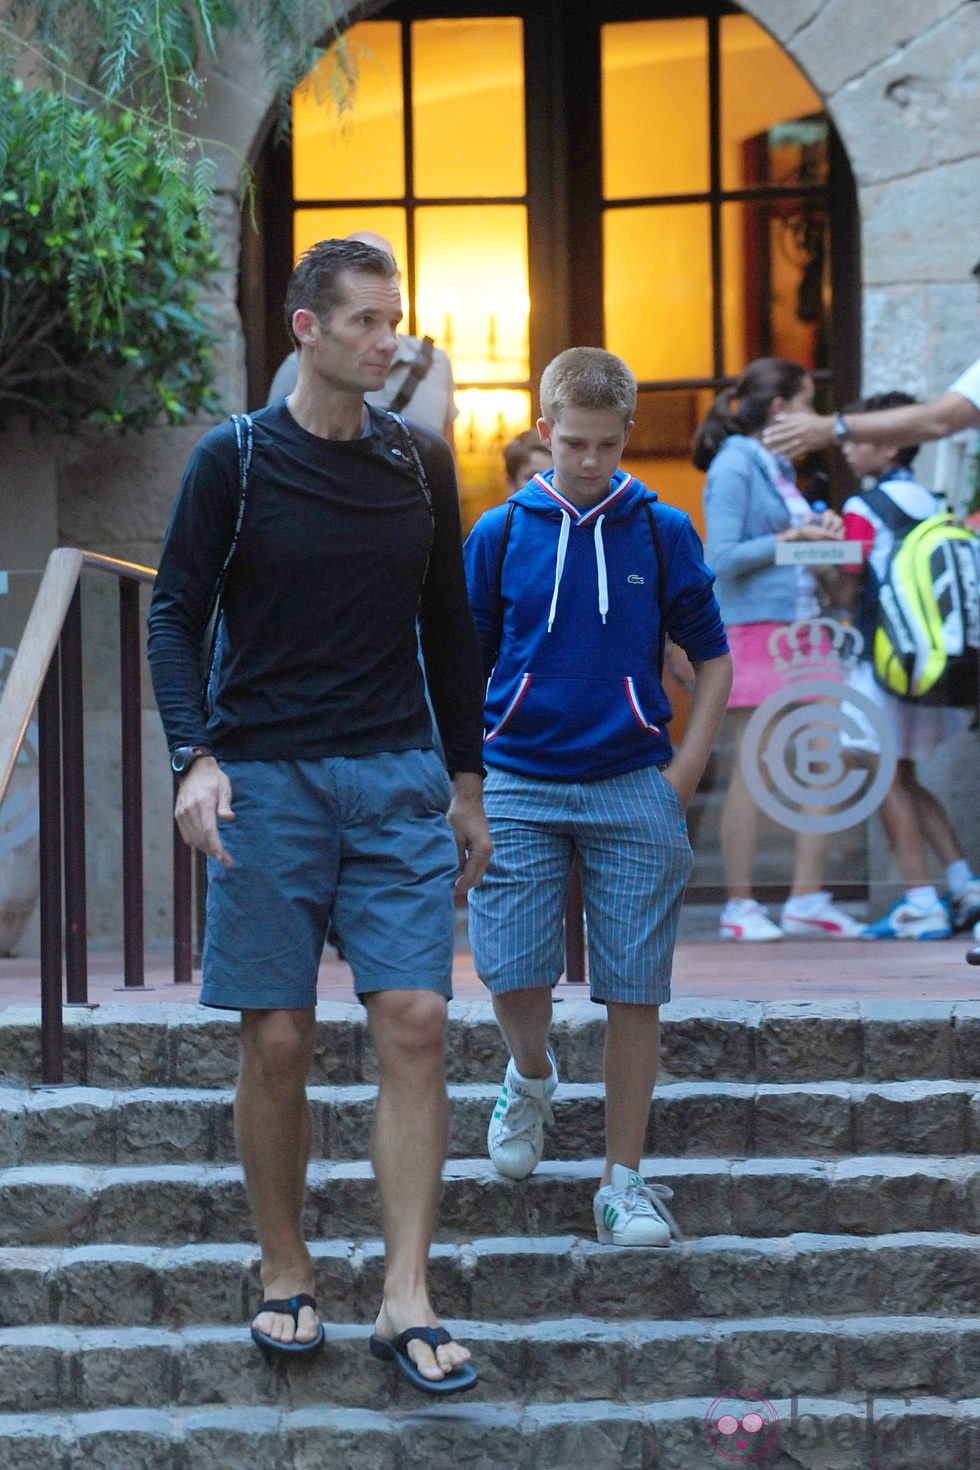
x=517 y=1278
x=71 y=1370
x=713 y=1040
x=845 y=1433
x=699 y=1119
x=172 y=1204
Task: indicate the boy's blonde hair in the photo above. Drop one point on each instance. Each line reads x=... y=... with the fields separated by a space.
x=587 y=377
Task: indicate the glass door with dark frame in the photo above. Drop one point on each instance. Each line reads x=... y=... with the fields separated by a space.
x=656 y=180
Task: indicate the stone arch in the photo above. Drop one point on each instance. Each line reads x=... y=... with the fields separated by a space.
x=899 y=82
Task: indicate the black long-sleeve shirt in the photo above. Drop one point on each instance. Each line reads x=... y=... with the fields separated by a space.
x=337 y=558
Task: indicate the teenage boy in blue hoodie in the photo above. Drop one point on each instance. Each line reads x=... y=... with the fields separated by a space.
x=575 y=582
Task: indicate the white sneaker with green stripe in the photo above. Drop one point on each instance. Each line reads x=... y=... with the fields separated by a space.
x=628 y=1211
x=515 y=1137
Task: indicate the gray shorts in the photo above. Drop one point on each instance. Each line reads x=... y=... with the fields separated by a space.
x=630 y=835
x=362 y=840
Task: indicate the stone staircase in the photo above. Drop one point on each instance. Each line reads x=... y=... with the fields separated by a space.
x=826 y=1174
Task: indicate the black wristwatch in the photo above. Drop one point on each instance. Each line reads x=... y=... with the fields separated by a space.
x=185 y=755
x=841 y=432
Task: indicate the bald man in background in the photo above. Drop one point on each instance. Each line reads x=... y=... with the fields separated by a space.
x=420 y=382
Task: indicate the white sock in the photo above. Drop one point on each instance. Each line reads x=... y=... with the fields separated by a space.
x=550 y=1082
x=958 y=875
x=924 y=897
x=806 y=903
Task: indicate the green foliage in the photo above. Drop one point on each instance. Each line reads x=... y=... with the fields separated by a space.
x=104 y=248
x=149 y=53
x=105 y=233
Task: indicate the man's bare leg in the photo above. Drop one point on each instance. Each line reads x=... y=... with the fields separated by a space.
x=272 y=1130
x=408 y=1148
x=632 y=1059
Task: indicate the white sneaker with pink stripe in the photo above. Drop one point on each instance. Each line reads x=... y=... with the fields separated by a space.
x=818 y=916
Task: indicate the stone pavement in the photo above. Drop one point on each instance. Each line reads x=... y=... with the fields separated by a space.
x=793 y=969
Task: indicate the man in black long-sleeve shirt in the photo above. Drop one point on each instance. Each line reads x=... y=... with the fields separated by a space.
x=310 y=779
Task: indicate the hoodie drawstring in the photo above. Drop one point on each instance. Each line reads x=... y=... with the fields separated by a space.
x=559 y=564
x=600 y=559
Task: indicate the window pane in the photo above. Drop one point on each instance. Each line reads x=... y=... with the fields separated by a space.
x=472 y=288
x=658 y=289
x=654 y=108
x=776 y=296
x=488 y=420
x=363 y=156
x=761 y=89
x=659 y=448
x=468 y=108
x=311 y=225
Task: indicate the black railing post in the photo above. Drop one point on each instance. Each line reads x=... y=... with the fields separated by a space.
x=73 y=787
x=49 y=818
x=574 y=929
x=132 y=781
x=183 y=905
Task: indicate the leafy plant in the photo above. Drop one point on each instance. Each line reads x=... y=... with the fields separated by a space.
x=105 y=199
x=104 y=248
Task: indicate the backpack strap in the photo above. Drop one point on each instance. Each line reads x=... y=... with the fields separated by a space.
x=658 y=549
x=898 y=521
x=501 y=552
x=413 y=450
x=244 y=441
x=418 y=370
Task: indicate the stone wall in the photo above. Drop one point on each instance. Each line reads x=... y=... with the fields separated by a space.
x=900 y=80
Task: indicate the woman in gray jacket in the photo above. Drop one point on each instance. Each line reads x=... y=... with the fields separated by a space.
x=751 y=502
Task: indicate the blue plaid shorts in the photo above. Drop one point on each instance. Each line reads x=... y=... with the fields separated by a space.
x=630 y=835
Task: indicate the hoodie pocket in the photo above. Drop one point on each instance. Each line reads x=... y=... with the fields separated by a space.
x=636 y=706
x=511 y=707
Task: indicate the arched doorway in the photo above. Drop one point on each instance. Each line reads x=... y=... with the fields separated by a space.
x=657 y=179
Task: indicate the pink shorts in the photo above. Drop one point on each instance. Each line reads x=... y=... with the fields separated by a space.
x=755 y=672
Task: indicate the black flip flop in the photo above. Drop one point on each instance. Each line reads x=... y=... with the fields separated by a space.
x=458 y=1381
x=288 y=1306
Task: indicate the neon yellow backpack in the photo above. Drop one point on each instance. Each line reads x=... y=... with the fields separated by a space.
x=926 y=641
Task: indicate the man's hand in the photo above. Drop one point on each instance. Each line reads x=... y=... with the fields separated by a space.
x=204 y=800
x=469 y=824
x=796 y=434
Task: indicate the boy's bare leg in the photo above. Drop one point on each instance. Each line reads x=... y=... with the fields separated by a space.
x=272 y=1130
x=632 y=1059
x=408 y=1148
x=524 y=1018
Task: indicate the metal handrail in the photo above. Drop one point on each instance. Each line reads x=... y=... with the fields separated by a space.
x=46 y=675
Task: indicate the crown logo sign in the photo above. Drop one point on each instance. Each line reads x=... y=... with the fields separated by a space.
x=814 y=647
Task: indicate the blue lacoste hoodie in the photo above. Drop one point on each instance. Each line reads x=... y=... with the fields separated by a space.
x=569 y=624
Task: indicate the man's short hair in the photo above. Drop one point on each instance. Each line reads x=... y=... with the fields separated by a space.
x=587 y=377
x=518 y=452
x=316 y=283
